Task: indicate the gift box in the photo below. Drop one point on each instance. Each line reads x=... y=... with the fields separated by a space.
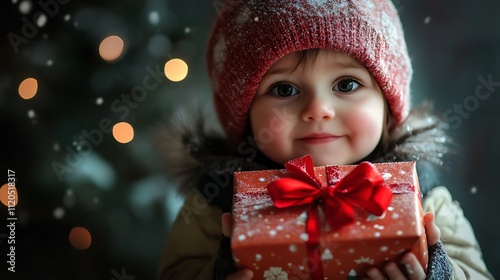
x=275 y=243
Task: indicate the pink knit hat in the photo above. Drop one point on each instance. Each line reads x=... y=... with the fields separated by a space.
x=250 y=35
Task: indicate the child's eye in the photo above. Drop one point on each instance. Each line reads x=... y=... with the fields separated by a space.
x=346 y=85
x=284 y=90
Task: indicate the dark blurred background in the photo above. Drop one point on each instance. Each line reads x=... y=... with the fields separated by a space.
x=70 y=172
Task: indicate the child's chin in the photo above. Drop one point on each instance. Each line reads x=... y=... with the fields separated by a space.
x=321 y=160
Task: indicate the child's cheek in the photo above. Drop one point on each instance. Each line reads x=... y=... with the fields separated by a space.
x=366 y=123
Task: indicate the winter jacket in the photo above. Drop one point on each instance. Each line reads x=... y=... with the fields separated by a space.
x=203 y=164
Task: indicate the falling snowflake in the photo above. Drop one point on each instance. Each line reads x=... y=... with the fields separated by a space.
x=41 y=20
x=58 y=212
x=364 y=260
x=31 y=114
x=275 y=273
x=25 y=7
x=473 y=190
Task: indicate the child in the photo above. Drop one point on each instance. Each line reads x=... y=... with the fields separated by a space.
x=325 y=78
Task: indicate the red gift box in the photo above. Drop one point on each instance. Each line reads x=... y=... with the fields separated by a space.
x=273 y=242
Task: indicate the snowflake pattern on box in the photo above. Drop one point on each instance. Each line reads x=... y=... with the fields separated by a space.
x=364 y=260
x=352 y=275
x=275 y=273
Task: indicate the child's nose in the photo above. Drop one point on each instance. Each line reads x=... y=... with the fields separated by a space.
x=319 y=106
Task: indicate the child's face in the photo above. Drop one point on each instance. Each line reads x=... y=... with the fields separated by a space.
x=329 y=107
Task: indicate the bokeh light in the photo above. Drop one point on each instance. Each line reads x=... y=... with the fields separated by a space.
x=176 y=70
x=123 y=132
x=111 y=48
x=80 y=238
x=154 y=17
x=28 y=88
x=4 y=195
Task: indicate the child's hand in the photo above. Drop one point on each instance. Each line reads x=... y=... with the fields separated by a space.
x=413 y=268
x=227 y=228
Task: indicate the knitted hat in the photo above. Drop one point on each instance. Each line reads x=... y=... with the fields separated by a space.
x=250 y=35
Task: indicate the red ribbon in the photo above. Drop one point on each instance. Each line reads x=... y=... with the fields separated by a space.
x=363 y=187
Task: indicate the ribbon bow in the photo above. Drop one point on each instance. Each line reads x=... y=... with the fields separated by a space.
x=363 y=187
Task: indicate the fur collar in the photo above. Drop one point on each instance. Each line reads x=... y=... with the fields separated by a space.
x=195 y=154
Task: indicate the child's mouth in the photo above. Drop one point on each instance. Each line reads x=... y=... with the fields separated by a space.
x=319 y=138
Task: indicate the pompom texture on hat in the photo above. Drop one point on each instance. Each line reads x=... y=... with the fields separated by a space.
x=249 y=36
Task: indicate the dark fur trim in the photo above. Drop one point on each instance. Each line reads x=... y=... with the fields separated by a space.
x=195 y=154
x=189 y=147
x=421 y=138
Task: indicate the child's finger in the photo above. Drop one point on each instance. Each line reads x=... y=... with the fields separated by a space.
x=393 y=272
x=244 y=274
x=226 y=224
x=375 y=274
x=413 y=268
x=431 y=230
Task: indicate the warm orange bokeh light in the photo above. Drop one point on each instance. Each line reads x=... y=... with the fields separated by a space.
x=176 y=70
x=111 y=48
x=4 y=195
x=123 y=132
x=80 y=238
x=28 y=88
